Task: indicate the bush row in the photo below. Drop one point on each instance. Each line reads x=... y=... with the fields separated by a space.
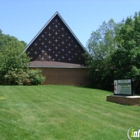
x=22 y=77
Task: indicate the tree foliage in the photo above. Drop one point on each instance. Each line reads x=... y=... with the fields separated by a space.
x=101 y=46
x=14 y=62
x=126 y=59
x=101 y=43
x=11 y=56
x=114 y=52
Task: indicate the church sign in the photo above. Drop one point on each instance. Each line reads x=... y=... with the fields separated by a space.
x=124 y=87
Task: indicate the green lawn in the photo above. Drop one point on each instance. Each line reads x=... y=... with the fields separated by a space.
x=63 y=113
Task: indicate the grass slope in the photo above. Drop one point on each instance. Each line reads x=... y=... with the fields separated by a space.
x=63 y=113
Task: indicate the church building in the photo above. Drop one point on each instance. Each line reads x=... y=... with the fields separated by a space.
x=59 y=54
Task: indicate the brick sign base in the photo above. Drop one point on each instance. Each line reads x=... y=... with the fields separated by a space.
x=124 y=100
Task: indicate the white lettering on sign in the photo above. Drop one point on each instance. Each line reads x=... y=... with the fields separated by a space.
x=124 y=81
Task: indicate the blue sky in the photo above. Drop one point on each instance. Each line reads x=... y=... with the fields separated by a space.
x=24 y=18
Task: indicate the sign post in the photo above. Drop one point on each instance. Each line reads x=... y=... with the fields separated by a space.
x=124 y=87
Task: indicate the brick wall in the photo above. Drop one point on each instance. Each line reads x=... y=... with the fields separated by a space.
x=66 y=76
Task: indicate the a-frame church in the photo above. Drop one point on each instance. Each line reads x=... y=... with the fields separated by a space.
x=58 y=53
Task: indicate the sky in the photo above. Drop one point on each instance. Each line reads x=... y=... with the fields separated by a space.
x=23 y=19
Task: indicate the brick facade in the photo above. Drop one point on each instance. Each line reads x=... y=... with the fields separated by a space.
x=66 y=76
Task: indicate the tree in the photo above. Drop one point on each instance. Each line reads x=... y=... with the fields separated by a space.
x=14 y=63
x=126 y=59
x=11 y=56
x=101 y=46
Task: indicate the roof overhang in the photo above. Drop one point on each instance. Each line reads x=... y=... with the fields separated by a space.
x=53 y=64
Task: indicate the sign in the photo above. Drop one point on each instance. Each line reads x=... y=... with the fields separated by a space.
x=124 y=87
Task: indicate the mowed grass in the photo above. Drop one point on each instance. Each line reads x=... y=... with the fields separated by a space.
x=63 y=113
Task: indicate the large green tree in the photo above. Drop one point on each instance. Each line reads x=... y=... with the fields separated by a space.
x=11 y=56
x=14 y=63
x=101 y=46
x=126 y=59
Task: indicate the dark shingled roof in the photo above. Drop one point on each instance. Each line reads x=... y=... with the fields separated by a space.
x=56 y=46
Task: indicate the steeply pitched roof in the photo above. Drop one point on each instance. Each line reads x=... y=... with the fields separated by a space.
x=57 y=43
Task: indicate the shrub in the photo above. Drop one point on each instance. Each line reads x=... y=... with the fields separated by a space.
x=21 y=77
x=36 y=77
x=15 y=77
